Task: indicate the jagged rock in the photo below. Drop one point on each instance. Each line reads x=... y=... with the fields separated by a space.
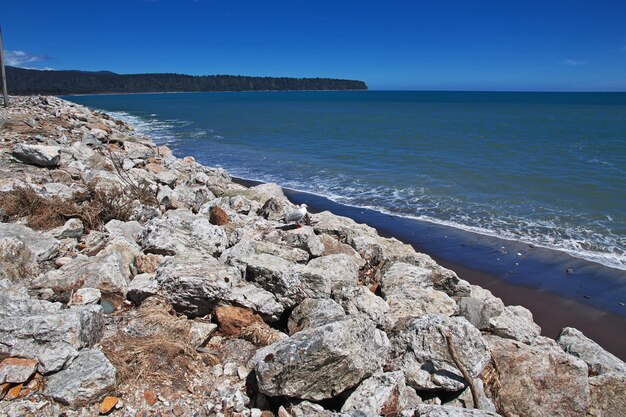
x=232 y=319
x=137 y=150
x=313 y=313
x=409 y=291
x=260 y=193
x=148 y=263
x=535 y=380
x=480 y=307
x=290 y=283
x=102 y=180
x=41 y=155
x=419 y=348
x=42 y=330
x=108 y=272
x=276 y=209
x=72 y=229
x=41 y=245
x=200 y=332
x=360 y=300
x=515 y=322
x=167 y=178
x=321 y=362
x=574 y=342
x=427 y=410
x=143 y=213
x=17 y=370
x=381 y=395
x=141 y=287
x=246 y=248
x=342 y=270
x=231 y=205
x=308 y=409
x=192 y=197
x=303 y=238
x=89 y=378
x=131 y=230
x=85 y=296
x=343 y=228
x=59 y=190
x=607 y=395
x=196 y=284
x=332 y=246
x=181 y=231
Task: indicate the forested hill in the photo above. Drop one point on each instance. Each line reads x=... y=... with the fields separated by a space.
x=27 y=81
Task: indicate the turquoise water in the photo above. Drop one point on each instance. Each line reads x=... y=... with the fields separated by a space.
x=544 y=168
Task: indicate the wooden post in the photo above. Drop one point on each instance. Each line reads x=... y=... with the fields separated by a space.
x=4 y=75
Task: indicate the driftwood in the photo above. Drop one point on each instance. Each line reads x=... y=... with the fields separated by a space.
x=459 y=365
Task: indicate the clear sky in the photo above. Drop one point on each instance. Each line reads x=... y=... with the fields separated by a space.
x=418 y=45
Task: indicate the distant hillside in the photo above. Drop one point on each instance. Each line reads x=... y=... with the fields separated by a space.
x=22 y=81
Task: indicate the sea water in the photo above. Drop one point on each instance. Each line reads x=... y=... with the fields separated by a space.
x=548 y=169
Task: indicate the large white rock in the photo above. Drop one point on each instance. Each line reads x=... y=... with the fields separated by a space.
x=574 y=342
x=41 y=155
x=321 y=362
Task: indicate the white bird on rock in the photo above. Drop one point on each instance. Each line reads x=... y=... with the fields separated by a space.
x=297 y=215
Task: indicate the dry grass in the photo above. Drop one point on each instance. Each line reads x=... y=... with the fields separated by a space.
x=94 y=207
x=155 y=349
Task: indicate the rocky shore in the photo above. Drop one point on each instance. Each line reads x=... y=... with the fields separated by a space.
x=134 y=283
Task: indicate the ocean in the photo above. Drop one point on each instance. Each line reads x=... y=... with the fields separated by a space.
x=547 y=169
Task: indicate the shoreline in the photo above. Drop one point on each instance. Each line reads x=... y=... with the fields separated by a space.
x=556 y=298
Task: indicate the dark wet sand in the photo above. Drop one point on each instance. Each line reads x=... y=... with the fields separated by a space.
x=560 y=290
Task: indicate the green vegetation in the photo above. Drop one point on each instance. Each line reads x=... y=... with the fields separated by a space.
x=25 y=81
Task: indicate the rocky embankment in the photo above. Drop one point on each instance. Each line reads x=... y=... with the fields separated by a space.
x=139 y=284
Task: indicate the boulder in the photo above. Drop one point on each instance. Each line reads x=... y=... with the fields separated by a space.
x=231 y=319
x=599 y=361
x=17 y=370
x=321 y=362
x=342 y=228
x=87 y=380
x=535 y=380
x=141 y=287
x=428 y=410
x=40 y=155
x=41 y=246
x=85 y=296
x=342 y=270
x=419 y=348
x=480 y=307
x=192 y=197
x=303 y=238
x=260 y=193
x=275 y=209
x=181 y=231
x=360 y=300
x=308 y=409
x=409 y=291
x=196 y=284
x=515 y=322
x=131 y=230
x=607 y=395
x=238 y=254
x=380 y=395
x=290 y=283
x=108 y=272
x=43 y=331
x=313 y=312
x=332 y=246
x=72 y=229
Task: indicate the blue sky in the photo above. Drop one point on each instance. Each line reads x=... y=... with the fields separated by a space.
x=418 y=45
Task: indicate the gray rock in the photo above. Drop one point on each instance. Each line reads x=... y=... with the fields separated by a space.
x=321 y=362
x=167 y=177
x=427 y=410
x=17 y=370
x=276 y=209
x=515 y=322
x=360 y=300
x=137 y=150
x=308 y=409
x=535 y=380
x=181 y=231
x=42 y=330
x=607 y=395
x=131 y=230
x=41 y=155
x=200 y=332
x=41 y=245
x=141 y=287
x=480 y=307
x=85 y=296
x=260 y=193
x=343 y=228
x=410 y=292
x=380 y=395
x=419 y=348
x=195 y=284
x=342 y=270
x=313 y=313
x=108 y=272
x=192 y=197
x=599 y=361
x=290 y=283
x=89 y=378
x=244 y=249
x=303 y=238
x=72 y=229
